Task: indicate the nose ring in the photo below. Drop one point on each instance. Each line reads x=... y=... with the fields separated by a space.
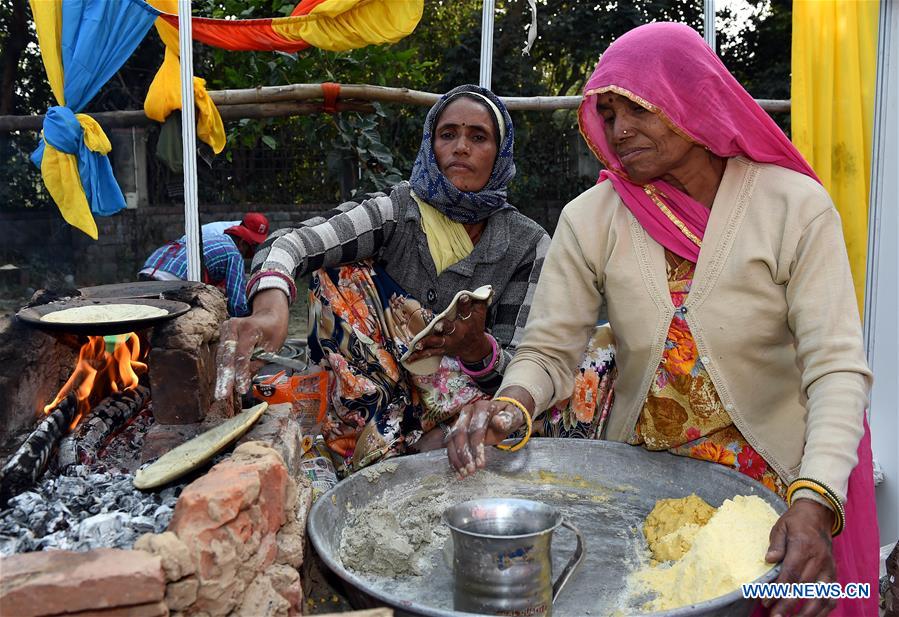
x=624 y=132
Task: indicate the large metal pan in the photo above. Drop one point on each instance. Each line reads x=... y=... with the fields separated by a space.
x=604 y=489
x=32 y=316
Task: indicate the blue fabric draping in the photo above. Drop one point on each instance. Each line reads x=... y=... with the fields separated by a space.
x=98 y=36
x=63 y=131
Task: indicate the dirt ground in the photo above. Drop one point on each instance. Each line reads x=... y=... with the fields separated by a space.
x=298 y=326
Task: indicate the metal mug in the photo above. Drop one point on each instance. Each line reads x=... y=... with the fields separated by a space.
x=502 y=561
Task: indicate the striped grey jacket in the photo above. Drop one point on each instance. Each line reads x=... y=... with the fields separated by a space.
x=508 y=256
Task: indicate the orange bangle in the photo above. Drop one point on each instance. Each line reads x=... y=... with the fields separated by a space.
x=527 y=418
x=839 y=521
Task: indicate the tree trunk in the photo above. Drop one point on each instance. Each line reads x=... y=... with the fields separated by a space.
x=16 y=40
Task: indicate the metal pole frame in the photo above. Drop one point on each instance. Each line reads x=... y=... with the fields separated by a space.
x=878 y=172
x=708 y=20
x=189 y=142
x=486 y=73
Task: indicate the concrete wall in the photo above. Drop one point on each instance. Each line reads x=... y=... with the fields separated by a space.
x=50 y=249
x=42 y=241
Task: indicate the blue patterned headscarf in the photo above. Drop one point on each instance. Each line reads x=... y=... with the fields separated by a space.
x=432 y=186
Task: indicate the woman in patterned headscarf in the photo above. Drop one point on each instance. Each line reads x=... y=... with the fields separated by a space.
x=721 y=261
x=382 y=268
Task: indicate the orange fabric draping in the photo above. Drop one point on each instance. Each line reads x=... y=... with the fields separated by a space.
x=243 y=35
x=333 y=25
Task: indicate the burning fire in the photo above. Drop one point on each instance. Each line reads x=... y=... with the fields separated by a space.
x=99 y=373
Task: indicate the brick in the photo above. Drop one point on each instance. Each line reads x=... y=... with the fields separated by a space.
x=262 y=600
x=182 y=383
x=292 y=536
x=173 y=553
x=35 y=365
x=182 y=359
x=156 y=609
x=181 y=594
x=53 y=582
x=286 y=581
x=279 y=428
x=229 y=519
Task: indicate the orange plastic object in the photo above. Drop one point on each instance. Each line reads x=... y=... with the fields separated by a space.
x=306 y=392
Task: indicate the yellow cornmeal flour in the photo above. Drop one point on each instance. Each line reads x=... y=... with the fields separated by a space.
x=727 y=552
x=672 y=525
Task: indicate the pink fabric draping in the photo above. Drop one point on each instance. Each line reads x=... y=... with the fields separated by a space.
x=668 y=69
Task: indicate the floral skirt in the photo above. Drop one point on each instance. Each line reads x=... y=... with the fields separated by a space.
x=361 y=322
x=583 y=415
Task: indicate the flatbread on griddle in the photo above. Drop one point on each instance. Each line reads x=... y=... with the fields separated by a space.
x=104 y=313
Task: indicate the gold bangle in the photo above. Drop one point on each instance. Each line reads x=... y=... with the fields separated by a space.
x=827 y=493
x=527 y=418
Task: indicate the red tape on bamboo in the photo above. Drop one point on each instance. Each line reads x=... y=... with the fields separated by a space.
x=330 y=91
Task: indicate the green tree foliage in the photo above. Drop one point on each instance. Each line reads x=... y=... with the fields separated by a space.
x=322 y=158
x=758 y=52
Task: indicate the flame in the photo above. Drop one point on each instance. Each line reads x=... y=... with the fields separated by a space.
x=99 y=373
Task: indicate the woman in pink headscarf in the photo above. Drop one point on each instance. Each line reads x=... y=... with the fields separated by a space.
x=721 y=262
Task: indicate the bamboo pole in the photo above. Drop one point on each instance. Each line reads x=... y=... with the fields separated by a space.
x=295 y=100
x=383 y=94
x=124 y=119
x=304 y=92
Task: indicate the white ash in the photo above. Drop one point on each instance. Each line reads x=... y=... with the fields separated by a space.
x=82 y=511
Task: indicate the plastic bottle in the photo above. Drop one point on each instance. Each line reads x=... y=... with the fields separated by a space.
x=318 y=466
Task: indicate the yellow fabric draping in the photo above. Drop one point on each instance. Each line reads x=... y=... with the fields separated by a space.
x=448 y=242
x=60 y=173
x=48 y=23
x=164 y=94
x=63 y=181
x=60 y=169
x=339 y=25
x=94 y=137
x=834 y=71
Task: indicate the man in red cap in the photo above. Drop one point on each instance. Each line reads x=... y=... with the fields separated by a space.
x=223 y=255
x=253 y=229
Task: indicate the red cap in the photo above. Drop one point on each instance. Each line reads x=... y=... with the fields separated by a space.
x=253 y=228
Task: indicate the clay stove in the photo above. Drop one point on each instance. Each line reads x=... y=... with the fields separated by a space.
x=230 y=542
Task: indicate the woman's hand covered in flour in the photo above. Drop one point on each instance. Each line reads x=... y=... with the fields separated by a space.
x=266 y=327
x=463 y=337
x=801 y=539
x=484 y=423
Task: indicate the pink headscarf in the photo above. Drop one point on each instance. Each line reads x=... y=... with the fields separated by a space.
x=668 y=69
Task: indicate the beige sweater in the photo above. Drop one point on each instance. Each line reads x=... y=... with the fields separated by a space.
x=772 y=310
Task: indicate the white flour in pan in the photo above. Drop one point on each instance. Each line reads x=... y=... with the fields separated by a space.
x=398 y=534
x=104 y=313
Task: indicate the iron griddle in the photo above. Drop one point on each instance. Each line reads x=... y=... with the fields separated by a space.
x=32 y=316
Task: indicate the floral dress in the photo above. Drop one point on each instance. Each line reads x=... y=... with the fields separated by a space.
x=682 y=412
x=361 y=322
x=583 y=415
